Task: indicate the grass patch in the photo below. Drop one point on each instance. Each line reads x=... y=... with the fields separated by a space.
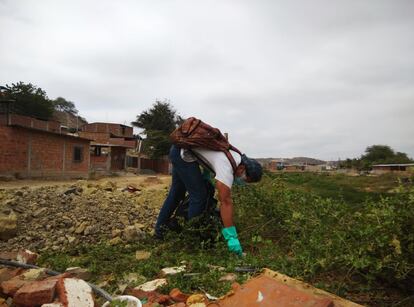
x=327 y=230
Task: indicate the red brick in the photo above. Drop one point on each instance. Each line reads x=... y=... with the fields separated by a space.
x=11 y=286
x=26 y=256
x=9 y=273
x=8 y=255
x=73 y=292
x=141 y=294
x=178 y=296
x=36 y=293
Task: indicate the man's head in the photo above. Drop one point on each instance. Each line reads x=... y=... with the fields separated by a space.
x=251 y=168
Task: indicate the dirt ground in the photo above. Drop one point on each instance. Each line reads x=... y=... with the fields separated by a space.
x=120 y=180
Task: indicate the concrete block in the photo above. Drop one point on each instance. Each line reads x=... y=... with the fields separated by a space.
x=74 y=292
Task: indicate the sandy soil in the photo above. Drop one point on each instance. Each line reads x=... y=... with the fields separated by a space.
x=121 y=180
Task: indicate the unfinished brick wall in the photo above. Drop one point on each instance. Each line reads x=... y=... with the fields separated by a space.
x=117 y=129
x=31 y=153
x=118 y=155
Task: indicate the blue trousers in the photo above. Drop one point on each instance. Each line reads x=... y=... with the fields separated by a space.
x=186 y=177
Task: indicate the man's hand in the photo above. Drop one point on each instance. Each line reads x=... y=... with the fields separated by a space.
x=233 y=243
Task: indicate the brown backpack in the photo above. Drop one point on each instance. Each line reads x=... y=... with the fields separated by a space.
x=195 y=133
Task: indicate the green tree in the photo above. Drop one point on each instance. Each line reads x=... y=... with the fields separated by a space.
x=29 y=100
x=157 y=124
x=61 y=104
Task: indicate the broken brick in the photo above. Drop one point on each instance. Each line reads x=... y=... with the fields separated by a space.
x=8 y=273
x=11 y=286
x=36 y=293
x=8 y=255
x=141 y=294
x=74 y=292
x=26 y=256
x=178 y=296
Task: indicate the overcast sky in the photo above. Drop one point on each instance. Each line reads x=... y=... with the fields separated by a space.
x=323 y=79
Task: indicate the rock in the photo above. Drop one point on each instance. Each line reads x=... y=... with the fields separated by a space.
x=115 y=241
x=108 y=186
x=81 y=228
x=229 y=277
x=39 y=212
x=116 y=233
x=3 y=302
x=70 y=239
x=130 y=234
x=8 y=226
x=142 y=255
x=36 y=293
x=177 y=296
x=34 y=274
x=172 y=270
x=124 y=220
x=8 y=255
x=196 y=298
x=74 y=292
x=152 y=285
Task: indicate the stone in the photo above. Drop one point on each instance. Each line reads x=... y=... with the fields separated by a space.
x=142 y=255
x=116 y=233
x=130 y=234
x=196 y=298
x=81 y=228
x=8 y=255
x=27 y=257
x=36 y=293
x=3 y=302
x=152 y=285
x=39 y=212
x=52 y=305
x=229 y=277
x=74 y=292
x=143 y=295
x=177 y=296
x=115 y=241
x=172 y=270
x=34 y=274
x=108 y=186
x=8 y=226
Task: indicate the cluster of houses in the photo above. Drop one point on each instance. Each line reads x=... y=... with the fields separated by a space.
x=282 y=165
x=33 y=148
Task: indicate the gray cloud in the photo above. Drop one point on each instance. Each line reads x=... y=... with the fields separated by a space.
x=316 y=78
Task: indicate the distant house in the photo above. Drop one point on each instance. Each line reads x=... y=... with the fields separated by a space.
x=109 y=145
x=387 y=168
x=32 y=148
x=275 y=165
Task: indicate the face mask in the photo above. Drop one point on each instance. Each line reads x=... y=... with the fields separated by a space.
x=240 y=181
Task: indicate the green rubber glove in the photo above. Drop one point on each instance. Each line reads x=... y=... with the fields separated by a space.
x=233 y=243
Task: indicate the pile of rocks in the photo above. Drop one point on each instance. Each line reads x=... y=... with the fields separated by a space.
x=33 y=287
x=59 y=217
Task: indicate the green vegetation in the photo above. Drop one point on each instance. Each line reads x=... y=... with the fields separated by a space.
x=30 y=100
x=376 y=154
x=308 y=226
x=157 y=123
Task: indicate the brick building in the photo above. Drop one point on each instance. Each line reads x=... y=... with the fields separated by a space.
x=31 y=148
x=109 y=145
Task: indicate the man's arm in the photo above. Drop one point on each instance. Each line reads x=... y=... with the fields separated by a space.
x=226 y=203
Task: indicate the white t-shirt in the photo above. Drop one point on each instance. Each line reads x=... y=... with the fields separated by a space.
x=217 y=160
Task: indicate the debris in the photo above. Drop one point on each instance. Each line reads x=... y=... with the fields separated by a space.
x=8 y=225
x=142 y=255
x=27 y=257
x=228 y=277
x=36 y=293
x=152 y=285
x=196 y=298
x=172 y=270
x=216 y=267
x=74 y=292
x=132 y=301
x=178 y=296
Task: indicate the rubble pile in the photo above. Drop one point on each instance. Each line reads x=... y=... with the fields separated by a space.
x=34 y=287
x=59 y=217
